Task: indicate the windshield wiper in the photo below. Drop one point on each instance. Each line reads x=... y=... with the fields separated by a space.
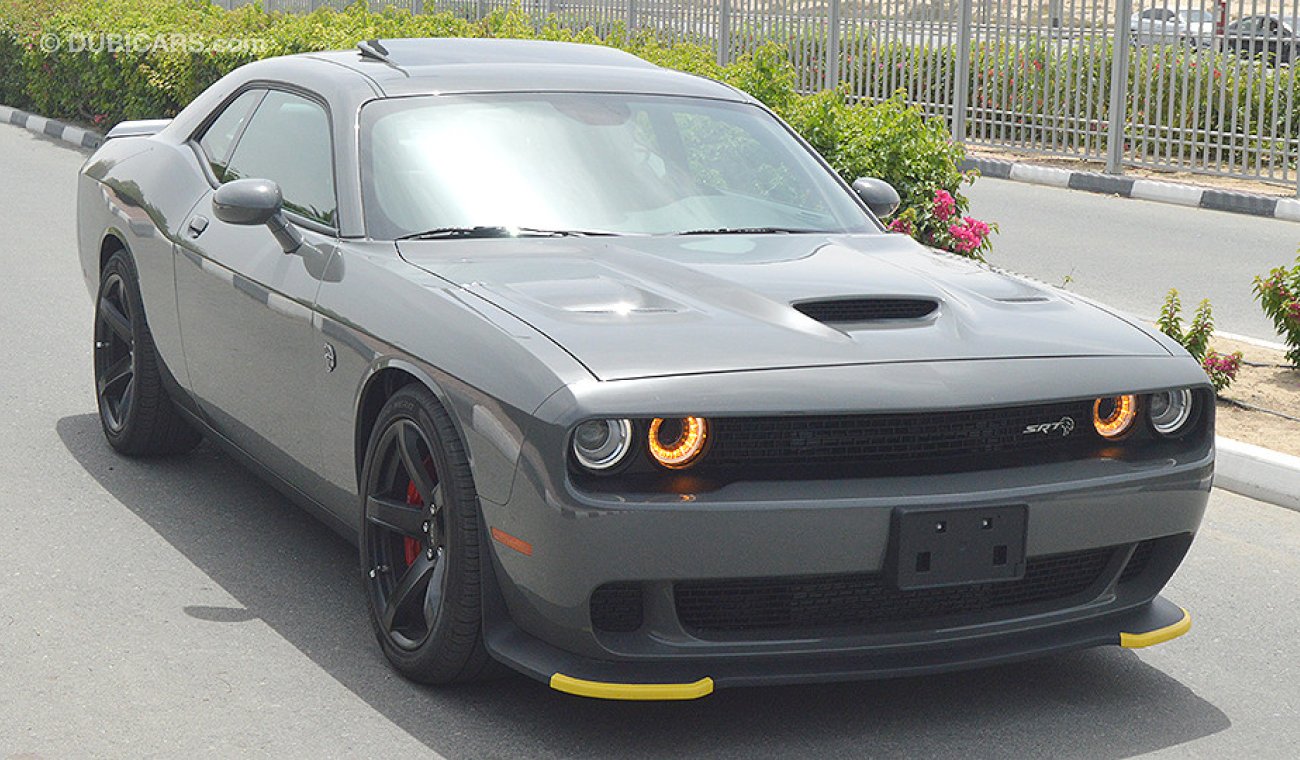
x=497 y=231
x=746 y=231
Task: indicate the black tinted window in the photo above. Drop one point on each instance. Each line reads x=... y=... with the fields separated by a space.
x=288 y=141
x=220 y=135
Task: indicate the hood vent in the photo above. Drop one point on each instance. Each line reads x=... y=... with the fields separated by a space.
x=840 y=310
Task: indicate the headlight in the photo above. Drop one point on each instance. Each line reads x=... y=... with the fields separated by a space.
x=601 y=444
x=677 y=443
x=1113 y=416
x=1170 y=411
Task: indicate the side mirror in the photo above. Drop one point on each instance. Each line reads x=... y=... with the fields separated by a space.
x=879 y=195
x=253 y=202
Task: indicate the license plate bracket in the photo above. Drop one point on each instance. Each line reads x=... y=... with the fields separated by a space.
x=956 y=547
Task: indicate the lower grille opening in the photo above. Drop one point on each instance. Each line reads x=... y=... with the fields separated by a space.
x=616 y=607
x=1137 y=564
x=868 y=599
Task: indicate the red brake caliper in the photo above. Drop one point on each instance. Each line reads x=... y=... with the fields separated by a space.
x=411 y=545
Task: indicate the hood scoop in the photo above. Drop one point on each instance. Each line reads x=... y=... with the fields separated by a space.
x=855 y=309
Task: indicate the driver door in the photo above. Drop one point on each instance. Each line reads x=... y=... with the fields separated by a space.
x=254 y=356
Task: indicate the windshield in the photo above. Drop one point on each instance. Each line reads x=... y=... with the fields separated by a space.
x=591 y=163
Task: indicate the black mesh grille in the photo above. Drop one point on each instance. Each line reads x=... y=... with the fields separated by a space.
x=888 y=439
x=616 y=607
x=866 y=309
x=868 y=599
x=1137 y=564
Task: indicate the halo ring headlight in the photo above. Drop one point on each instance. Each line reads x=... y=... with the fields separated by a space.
x=1113 y=416
x=601 y=444
x=1170 y=411
x=677 y=443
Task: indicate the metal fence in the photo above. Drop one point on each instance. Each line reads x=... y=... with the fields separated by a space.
x=1203 y=86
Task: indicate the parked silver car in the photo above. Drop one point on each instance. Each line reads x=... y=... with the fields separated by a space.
x=1166 y=26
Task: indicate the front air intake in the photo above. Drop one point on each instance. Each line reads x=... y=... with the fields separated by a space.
x=850 y=310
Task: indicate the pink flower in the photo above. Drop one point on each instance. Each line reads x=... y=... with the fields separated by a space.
x=966 y=239
x=1227 y=365
x=980 y=229
x=944 y=205
x=1293 y=311
x=901 y=225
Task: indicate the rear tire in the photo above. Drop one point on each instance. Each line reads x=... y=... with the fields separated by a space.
x=138 y=417
x=420 y=543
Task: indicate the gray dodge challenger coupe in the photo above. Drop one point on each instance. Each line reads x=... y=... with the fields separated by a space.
x=615 y=382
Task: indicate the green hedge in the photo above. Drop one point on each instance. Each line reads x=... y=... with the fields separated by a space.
x=102 y=86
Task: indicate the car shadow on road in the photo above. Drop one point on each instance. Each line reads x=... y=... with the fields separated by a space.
x=292 y=572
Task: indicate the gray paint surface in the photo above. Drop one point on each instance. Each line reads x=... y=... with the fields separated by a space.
x=1129 y=253
x=478 y=322
x=185 y=608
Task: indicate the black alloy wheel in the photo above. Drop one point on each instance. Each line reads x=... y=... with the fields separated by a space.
x=420 y=542
x=114 y=353
x=137 y=415
x=406 y=535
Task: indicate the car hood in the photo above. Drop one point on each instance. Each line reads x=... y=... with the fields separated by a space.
x=633 y=307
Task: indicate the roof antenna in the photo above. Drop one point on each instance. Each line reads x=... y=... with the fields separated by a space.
x=373 y=49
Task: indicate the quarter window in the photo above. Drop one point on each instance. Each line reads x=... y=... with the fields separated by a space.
x=288 y=141
x=220 y=135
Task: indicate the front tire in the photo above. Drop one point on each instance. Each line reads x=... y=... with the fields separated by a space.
x=138 y=417
x=420 y=542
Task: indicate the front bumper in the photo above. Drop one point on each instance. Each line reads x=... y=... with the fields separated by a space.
x=824 y=540
x=542 y=624
x=1152 y=623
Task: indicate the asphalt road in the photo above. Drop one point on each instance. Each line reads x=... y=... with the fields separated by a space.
x=1129 y=253
x=182 y=608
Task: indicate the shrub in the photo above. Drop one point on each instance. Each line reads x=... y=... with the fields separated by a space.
x=895 y=142
x=937 y=223
x=1279 y=296
x=1221 y=368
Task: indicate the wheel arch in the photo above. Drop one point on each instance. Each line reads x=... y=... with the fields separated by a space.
x=110 y=243
x=386 y=377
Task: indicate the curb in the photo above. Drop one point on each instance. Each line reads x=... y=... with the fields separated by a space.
x=1257 y=472
x=75 y=136
x=1176 y=193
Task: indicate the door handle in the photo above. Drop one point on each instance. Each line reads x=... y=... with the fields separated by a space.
x=197 y=225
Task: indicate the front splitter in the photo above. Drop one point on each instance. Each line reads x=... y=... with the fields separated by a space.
x=674 y=679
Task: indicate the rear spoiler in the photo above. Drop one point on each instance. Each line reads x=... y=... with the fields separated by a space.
x=137 y=128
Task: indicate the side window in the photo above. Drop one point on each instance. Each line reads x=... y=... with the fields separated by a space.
x=219 y=137
x=288 y=141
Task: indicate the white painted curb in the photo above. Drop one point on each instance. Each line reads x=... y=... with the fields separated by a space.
x=1167 y=192
x=1040 y=175
x=1257 y=472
